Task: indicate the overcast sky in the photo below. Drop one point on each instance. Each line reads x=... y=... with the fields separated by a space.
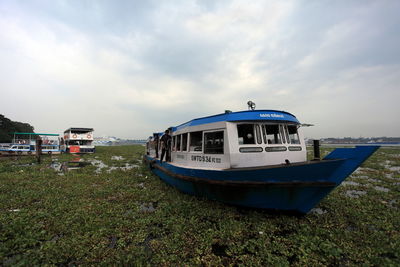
x=130 y=68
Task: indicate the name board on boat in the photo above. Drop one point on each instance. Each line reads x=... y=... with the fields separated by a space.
x=206 y=159
x=272 y=115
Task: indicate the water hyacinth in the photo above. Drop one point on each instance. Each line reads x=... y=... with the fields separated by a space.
x=113 y=211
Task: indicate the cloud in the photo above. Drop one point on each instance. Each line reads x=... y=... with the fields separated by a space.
x=135 y=67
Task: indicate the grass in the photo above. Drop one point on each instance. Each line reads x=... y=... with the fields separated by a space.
x=127 y=216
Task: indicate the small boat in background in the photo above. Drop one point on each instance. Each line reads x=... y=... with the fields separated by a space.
x=252 y=158
x=78 y=140
x=25 y=144
x=75 y=140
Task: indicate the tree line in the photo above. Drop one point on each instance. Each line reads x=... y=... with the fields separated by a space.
x=7 y=127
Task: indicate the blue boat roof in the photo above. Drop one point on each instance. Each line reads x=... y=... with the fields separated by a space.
x=246 y=115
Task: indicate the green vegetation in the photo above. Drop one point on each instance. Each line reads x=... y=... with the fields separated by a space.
x=8 y=126
x=124 y=215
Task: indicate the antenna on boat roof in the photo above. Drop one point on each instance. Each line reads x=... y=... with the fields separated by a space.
x=251 y=105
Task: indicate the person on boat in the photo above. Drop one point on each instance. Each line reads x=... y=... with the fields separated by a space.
x=169 y=147
x=156 y=143
x=165 y=146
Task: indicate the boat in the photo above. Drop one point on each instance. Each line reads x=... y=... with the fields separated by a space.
x=4 y=146
x=78 y=140
x=252 y=158
x=25 y=144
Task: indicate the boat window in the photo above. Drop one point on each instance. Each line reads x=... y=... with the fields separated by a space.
x=258 y=133
x=178 y=142
x=286 y=133
x=275 y=149
x=174 y=143
x=283 y=133
x=196 y=141
x=214 y=143
x=184 y=141
x=293 y=135
x=272 y=134
x=250 y=149
x=264 y=133
x=246 y=134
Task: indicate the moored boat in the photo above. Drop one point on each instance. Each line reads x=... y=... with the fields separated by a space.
x=253 y=158
x=79 y=140
x=25 y=144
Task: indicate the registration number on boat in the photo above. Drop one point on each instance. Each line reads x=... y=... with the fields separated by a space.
x=206 y=159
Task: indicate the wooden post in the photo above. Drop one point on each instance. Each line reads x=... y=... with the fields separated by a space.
x=38 y=149
x=317 y=155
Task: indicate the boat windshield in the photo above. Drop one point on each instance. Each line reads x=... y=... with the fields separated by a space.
x=246 y=134
x=293 y=134
x=271 y=134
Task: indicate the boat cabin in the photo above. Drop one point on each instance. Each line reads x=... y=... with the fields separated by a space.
x=252 y=138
